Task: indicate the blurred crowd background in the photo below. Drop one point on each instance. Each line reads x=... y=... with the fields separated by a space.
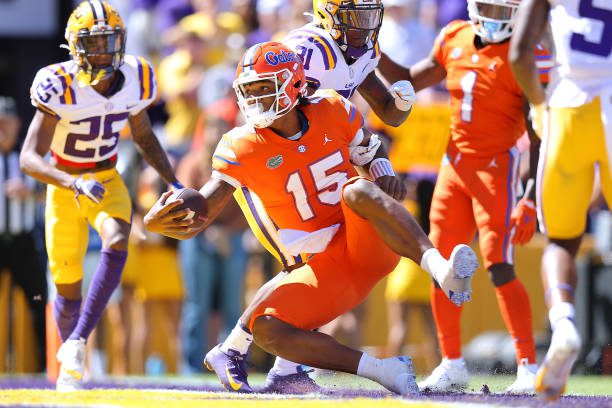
x=178 y=299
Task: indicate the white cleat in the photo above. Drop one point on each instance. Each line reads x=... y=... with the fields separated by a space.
x=72 y=355
x=525 y=379
x=450 y=375
x=403 y=381
x=456 y=280
x=554 y=372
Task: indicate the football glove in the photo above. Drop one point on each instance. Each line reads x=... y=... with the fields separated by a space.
x=404 y=95
x=90 y=188
x=523 y=221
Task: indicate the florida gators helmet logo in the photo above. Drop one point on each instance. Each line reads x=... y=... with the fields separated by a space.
x=275 y=59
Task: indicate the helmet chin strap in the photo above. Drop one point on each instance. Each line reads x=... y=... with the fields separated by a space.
x=355 y=52
x=257 y=117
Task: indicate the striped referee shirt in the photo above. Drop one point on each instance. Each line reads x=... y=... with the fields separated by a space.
x=17 y=216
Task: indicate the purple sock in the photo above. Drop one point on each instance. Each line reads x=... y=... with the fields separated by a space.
x=104 y=282
x=66 y=312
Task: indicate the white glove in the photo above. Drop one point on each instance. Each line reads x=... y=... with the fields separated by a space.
x=362 y=155
x=404 y=95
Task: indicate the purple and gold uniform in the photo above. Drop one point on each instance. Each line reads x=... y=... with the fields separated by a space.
x=86 y=135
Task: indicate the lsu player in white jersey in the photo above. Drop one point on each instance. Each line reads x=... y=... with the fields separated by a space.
x=575 y=123
x=81 y=105
x=339 y=50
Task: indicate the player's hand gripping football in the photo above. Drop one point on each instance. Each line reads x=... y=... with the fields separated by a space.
x=404 y=95
x=523 y=218
x=90 y=188
x=393 y=186
x=167 y=219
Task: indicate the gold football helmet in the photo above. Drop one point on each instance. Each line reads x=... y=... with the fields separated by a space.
x=354 y=24
x=96 y=40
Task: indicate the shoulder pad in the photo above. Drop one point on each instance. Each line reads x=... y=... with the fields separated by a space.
x=334 y=100
x=316 y=49
x=452 y=28
x=146 y=76
x=52 y=89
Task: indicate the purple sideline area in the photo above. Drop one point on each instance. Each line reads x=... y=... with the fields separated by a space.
x=330 y=393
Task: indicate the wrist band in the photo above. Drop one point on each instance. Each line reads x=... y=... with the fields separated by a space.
x=176 y=185
x=381 y=167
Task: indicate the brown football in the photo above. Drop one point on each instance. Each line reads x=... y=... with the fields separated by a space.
x=193 y=200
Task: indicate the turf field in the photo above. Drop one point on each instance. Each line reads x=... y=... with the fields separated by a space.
x=338 y=391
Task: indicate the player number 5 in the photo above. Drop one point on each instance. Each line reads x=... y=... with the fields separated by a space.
x=601 y=21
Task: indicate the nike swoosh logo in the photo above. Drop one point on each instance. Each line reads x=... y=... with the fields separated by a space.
x=75 y=374
x=235 y=385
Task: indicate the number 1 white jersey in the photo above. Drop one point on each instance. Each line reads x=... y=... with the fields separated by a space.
x=89 y=123
x=582 y=34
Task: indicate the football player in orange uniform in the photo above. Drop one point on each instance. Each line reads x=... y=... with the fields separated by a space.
x=298 y=155
x=478 y=184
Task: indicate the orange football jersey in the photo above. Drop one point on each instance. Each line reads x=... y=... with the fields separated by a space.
x=487 y=102
x=299 y=182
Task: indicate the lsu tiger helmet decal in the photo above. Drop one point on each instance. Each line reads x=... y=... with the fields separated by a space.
x=277 y=64
x=96 y=40
x=493 y=20
x=354 y=24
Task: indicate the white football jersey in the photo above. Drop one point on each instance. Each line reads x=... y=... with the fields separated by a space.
x=89 y=123
x=582 y=34
x=324 y=63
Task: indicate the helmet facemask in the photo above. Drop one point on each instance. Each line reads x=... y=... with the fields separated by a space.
x=253 y=107
x=98 y=53
x=358 y=26
x=493 y=20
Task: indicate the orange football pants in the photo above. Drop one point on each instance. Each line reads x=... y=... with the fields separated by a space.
x=476 y=194
x=334 y=281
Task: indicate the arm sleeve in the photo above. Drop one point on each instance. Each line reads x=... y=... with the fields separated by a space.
x=439 y=47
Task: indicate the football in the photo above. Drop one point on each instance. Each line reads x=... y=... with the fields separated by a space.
x=193 y=200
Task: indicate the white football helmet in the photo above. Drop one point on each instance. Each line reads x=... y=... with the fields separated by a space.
x=493 y=20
